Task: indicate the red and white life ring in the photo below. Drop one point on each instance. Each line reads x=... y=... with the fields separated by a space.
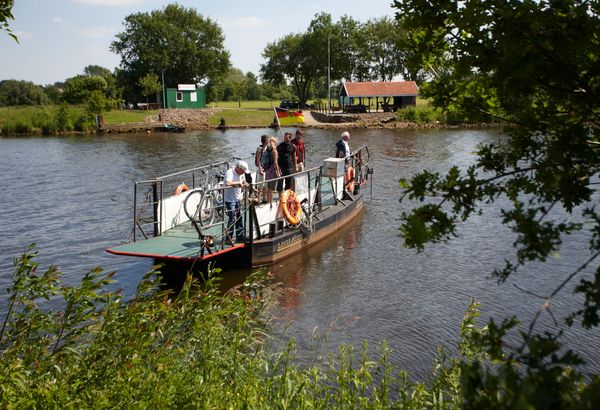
x=291 y=207
x=181 y=188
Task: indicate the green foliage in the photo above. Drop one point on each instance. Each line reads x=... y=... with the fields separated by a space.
x=534 y=65
x=188 y=47
x=150 y=85
x=375 y=50
x=39 y=119
x=79 y=88
x=96 y=104
x=204 y=349
x=13 y=92
x=6 y=15
x=62 y=119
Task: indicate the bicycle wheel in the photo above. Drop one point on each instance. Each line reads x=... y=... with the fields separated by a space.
x=205 y=214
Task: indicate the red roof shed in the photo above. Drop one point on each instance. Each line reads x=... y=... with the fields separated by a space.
x=402 y=93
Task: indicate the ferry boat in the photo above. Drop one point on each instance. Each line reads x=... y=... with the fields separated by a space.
x=181 y=217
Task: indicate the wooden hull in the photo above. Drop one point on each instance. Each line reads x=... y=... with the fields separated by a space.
x=267 y=251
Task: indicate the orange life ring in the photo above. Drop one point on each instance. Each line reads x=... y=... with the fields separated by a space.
x=349 y=179
x=181 y=188
x=290 y=206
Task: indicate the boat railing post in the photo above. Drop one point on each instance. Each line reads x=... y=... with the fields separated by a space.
x=135 y=210
x=155 y=207
x=246 y=207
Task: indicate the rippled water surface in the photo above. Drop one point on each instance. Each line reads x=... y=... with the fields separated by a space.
x=73 y=197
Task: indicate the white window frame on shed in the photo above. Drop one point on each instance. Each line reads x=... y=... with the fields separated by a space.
x=194 y=96
x=179 y=96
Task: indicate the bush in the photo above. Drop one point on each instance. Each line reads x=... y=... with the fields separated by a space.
x=62 y=120
x=408 y=114
x=22 y=127
x=199 y=348
x=85 y=122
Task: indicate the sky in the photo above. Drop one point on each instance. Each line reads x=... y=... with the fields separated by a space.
x=59 y=38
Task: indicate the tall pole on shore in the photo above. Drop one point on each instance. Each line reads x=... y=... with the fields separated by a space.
x=163 y=89
x=328 y=76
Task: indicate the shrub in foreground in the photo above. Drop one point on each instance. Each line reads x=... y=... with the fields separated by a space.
x=201 y=348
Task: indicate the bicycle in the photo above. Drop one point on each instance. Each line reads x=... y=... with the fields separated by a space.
x=209 y=209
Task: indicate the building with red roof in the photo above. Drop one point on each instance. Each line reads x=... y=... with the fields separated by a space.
x=391 y=95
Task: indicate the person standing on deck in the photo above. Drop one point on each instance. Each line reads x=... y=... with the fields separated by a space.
x=271 y=167
x=343 y=146
x=260 y=169
x=287 y=161
x=298 y=142
x=235 y=181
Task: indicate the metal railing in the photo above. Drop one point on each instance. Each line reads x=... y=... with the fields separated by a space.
x=148 y=195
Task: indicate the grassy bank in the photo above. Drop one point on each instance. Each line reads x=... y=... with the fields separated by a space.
x=63 y=119
x=55 y=119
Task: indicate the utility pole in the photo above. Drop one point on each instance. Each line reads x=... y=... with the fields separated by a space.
x=163 y=89
x=328 y=76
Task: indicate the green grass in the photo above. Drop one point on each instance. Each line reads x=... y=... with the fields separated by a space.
x=32 y=114
x=244 y=104
x=243 y=117
x=122 y=116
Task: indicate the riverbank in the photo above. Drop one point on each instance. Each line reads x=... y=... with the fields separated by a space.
x=211 y=118
x=43 y=120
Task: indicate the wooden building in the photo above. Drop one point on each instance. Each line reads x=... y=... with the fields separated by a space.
x=186 y=96
x=389 y=95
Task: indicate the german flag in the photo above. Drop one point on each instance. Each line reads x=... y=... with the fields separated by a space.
x=287 y=117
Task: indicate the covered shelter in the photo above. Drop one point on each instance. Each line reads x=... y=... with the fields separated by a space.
x=393 y=95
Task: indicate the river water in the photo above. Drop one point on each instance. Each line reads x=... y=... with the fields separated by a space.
x=73 y=197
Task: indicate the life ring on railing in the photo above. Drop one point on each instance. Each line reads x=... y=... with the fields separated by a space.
x=290 y=206
x=349 y=179
x=181 y=188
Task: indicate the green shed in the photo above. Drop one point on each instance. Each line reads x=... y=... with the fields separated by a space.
x=186 y=96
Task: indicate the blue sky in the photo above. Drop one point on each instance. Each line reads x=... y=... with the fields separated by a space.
x=58 y=38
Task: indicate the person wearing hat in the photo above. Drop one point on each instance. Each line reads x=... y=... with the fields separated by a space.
x=235 y=180
x=343 y=146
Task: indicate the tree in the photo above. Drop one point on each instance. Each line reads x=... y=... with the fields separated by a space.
x=289 y=60
x=6 y=15
x=14 y=92
x=112 y=92
x=79 y=88
x=150 y=85
x=534 y=65
x=96 y=71
x=253 y=89
x=180 y=42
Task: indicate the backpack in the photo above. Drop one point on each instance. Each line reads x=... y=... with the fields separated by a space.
x=266 y=160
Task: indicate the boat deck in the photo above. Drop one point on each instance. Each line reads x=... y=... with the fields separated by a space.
x=179 y=243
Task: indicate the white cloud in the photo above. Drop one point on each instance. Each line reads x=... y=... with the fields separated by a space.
x=58 y=20
x=110 y=3
x=97 y=32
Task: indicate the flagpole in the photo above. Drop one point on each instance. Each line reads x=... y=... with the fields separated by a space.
x=278 y=123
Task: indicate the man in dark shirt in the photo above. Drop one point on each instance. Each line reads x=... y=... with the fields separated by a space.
x=287 y=161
